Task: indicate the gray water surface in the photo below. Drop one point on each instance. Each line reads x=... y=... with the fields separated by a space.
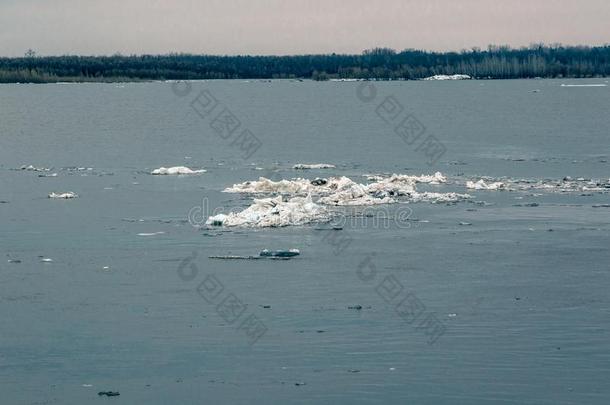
x=521 y=293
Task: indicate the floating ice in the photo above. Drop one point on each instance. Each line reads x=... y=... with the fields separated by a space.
x=439 y=197
x=150 y=233
x=355 y=198
x=175 y=170
x=585 y=85
x=264 y=185
x=303 y=166
x=274 y=212
x=402 y=184
x=235 y=257
x=345 y=192
x=31 y=168
x=448 y=77
x=481 y=185
x=66 y=195
x=280 y=253
x=565 y=185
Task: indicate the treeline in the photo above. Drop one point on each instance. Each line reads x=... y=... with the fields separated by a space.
x=496 y=62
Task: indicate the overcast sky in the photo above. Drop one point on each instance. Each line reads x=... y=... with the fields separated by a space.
x=89 y=27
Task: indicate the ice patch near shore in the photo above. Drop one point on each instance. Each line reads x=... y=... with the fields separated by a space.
x=175 y=170
x=481 y=185
x=303 y=166
x=448 y=77
x=65 y=195
x=274 y=212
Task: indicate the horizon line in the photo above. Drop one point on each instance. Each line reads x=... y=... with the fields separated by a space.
x=530 y=46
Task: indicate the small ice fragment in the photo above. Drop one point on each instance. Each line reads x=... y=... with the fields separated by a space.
x=31 y=168
x=46 y=260
x=481 y=185
x=584 y=85
x=14 y=261
x=176 y=170
x=448 y=77
x=304 y=166
x=150 y=233
x=66 y=195
x=280 y=253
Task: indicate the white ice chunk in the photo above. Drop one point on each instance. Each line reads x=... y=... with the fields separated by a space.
x=481 y=185
x=274 y=212
x=68 y=194
x=31 y=168
x=175 y=170
x=585 y=85
x=264 y=185
x=448 y=77
x=439 y=197
x=342 y=190
x=304 y=166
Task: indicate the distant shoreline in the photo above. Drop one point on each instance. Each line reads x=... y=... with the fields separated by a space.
x=131 y=81
x=560 y=62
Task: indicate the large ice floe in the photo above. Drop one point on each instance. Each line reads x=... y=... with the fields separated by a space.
x=175 y=170
x=274 y=212
x=396 y=184
x=302 y=201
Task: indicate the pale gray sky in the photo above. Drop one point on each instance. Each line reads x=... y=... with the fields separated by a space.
x=90 y=27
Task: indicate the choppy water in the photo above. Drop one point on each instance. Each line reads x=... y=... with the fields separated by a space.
x=499 y=299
